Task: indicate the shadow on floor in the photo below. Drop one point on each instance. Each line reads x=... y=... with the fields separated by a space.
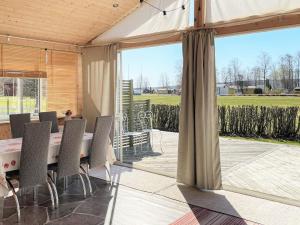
x=200 y=215
x=73 y=207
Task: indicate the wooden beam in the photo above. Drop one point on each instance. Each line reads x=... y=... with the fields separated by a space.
x=199 y=13
x=276 y=22
x=196 y=12
x=5 y=39
x=163 y=41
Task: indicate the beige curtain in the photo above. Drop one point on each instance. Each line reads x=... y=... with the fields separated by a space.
x=99 y=65
x=198 y=152
x=99 y=73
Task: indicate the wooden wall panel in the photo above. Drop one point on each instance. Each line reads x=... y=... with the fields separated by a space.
x=63 y=83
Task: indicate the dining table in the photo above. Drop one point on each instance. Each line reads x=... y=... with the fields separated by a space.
x=10 y=152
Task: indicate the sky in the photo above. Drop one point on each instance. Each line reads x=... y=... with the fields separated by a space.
x=152 y=62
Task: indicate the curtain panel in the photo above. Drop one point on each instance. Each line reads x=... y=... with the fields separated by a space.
x=198 y=152
x=99 y=66
x=99 y=74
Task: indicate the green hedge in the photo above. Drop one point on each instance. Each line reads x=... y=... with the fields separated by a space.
x=245 y=121
x=165 y=117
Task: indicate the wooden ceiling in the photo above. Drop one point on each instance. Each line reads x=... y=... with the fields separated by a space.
x=64 y=21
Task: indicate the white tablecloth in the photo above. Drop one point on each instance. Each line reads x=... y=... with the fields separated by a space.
x=10 y=152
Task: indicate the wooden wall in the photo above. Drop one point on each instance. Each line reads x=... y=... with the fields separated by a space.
x=63 y=71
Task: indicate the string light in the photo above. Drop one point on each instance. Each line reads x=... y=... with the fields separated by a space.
x=164 y=12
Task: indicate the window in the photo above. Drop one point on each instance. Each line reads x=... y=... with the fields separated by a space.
x=22 y=95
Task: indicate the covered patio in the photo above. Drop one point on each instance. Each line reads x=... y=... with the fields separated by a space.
x=65 y=121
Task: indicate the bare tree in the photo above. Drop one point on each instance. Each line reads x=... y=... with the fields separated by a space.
x=290 y=71
x=164 y=79
x=140 y=82
x=275 y=76
x=286 y=71
x=297 y=69
x=224 y=76
x=178 y=71
x=248 y=77
x=235 y=72
x=146 y=84
x=264 y=64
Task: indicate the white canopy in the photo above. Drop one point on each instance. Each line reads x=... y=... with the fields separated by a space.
x=149 y=20
x=228 y=10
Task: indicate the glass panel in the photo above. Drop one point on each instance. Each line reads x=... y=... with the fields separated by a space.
x=22 y=95
x=259 y=113
x=151 y=96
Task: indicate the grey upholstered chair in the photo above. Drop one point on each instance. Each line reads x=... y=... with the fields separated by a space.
x=69 y=153
x=50 y=116
x=34 y=156
x=99 y=145
x=17 y=122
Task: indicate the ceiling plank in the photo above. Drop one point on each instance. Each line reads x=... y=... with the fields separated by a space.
x=68 y=21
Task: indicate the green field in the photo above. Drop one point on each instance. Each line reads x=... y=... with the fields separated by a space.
x=228 y=100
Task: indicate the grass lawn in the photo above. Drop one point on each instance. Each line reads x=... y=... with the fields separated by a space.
x=228 y=100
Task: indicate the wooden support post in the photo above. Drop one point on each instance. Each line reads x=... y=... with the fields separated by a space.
x=199 y=13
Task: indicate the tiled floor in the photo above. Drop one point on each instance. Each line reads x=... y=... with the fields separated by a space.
x=115 y=204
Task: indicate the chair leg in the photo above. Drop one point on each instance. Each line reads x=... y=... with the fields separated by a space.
x=55 y=193
x=54 y=189
x=83 y=185
x=17 y=205
x=16 y=198
x=86 y=173
x=51 y=194
x=109 y=175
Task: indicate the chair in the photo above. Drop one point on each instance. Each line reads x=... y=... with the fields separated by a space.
x=33 y=161
x=146 y=119
x=135 y=136
x=17 y=122
x=50 y=116
x=69 y=153
x=99 y=145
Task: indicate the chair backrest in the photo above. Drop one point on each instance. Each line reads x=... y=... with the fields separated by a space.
x=100 y=141
x=125 y=123
x=50 y=116
x=34 y=154
x=70 y=147
x=17 y=122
